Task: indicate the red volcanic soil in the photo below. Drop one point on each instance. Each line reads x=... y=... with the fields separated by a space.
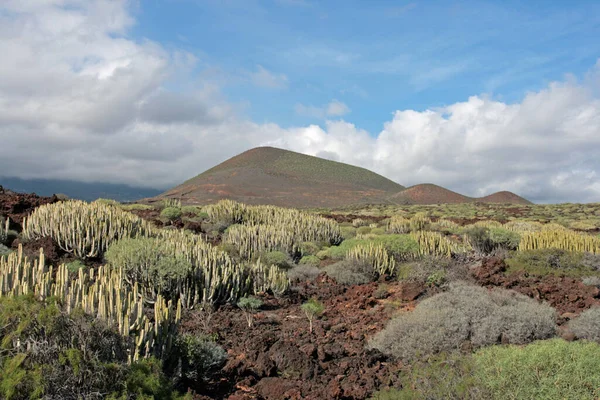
x=428 y=193
x=278 y=358
x=504 y=197
x=18 y=205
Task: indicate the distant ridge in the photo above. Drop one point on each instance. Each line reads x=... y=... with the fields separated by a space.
x=504 y=197
x=267 y=175
x=428 y=193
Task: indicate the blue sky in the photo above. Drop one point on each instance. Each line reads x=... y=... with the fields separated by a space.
x=374 y=56
x=475 y=96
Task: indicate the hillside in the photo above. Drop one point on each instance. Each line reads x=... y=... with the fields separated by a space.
x=504 y=197
x=266 y=175
x=428 y=193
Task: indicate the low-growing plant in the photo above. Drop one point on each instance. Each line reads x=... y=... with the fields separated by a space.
x=350 y=272
x=466 y=313
x=195 y=358
x=382 y=291
x=312 y=309
x=75 y=266
x=249 y=305
x=309 y=248
x=547 y=369
x=303 y=273
x=311 y=260
x=277 y=258
x=171 y=213
x=557 y=262
x=587 y=325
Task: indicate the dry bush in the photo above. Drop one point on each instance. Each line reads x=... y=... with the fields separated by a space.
x=350 y=272
x=465 y=313
x=303 y=272
x=587 y=325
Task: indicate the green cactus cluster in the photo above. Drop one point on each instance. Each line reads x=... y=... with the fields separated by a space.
x=563 y=239
x=435 y=243
x=400 y=224
x=375 y=255
x=252 y=240
x=85 y=230
x=100 y=292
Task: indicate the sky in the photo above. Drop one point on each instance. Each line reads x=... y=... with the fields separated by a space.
x=476 y=96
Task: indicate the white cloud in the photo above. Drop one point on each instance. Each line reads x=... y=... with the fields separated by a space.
x=80 y=100
x=335 y=108
x=265 y=78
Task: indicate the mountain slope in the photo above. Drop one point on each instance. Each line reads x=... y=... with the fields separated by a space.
x=504 y=197
x=266 y=175
x=427 y=193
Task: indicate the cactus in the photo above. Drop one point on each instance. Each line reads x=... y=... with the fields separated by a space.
x=563 y=239
x=102 y=293
x=434 y=243
x=85 y=230
x=376 y=256
x=398 y=224
x=4 y=228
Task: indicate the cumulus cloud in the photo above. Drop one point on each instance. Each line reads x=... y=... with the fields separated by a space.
x=267 y=79
x=80 y=100
x=334 y=109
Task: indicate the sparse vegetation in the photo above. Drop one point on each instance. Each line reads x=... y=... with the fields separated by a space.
x=465 y=313
x=249 y=305
x=312 y=309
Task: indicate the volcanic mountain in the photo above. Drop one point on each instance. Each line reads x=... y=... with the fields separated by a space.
x=267 y=175
x=428 y=193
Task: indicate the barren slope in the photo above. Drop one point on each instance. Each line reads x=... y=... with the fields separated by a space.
x=266 y=175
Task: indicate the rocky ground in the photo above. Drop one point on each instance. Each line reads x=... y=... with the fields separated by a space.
x=278 y=358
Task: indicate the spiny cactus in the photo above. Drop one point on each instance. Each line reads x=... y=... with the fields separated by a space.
x=100 y=292
x=563 y=239
x=523 y=226
x=419 y=222
x=252 y=240
x=85 y=230
x=434 y=243
x=374 y=255
x=398 y=224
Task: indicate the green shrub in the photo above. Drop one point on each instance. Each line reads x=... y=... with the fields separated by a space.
x=136 y=207
x=145 y=380
x=4 y=251
x=151 y=263
x=348 y=232
x=196 y=358
x=171 y=213
x=312 y=309
x=504 y=239
x=548 y=369
x=557 y=262
x=309 y=248
x=433 y=270
x=465 y=313
x=399 y=246
x=552 y=369
x=378 y=231
x=363 y=230
x=75 y=266
x=350 y=272
x=249 y=305
x=312 y=260
x=277 y=258
x=587 y=325
x=108 y=202
x=303 y=272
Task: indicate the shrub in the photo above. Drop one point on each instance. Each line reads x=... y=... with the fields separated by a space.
x=249 y=305
x=75 y=266
x=309 y=248
x=312 y=260
x=504 y=239
x=587 y=325
x=348 y=232
x=303 y=272
x=4 y=251
x=552 y=369
x=591 y=281
x=381 y=292
x=363 y=230
x=446 y=321
x=312 y=309
x=350 y=272
x=434 y=270
x=195 y=358
x=277 y=258
x=548 y=369
x=151 y=263
x=171 y=213
x=550 y=262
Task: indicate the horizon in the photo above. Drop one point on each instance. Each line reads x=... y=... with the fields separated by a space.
x=477 y=97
